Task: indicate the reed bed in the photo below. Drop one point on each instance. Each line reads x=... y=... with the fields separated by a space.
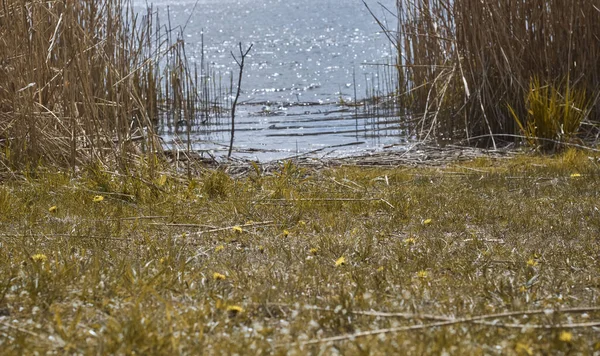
x=462 y=62
x=90 y=81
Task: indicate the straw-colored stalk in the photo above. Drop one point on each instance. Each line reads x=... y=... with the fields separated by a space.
x=80 y=82
x=463 y=61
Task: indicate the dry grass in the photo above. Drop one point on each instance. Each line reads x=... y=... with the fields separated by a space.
x=461 y=62
x=485 y=257
x=488 y=257
x=86 y=82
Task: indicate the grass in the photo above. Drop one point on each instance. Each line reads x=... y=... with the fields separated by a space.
x=550 y=120
x=92 y=81
x=276 y=263
x=460 y=62
x=127 y=256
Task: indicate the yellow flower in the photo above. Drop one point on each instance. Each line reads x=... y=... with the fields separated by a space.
x=575 y=175
x=531 y=262
x=427 y=221
x=53 y=209
x=219 y=248
x=162 y=260
x=39 y=257
x=261 y=249
x=235 y=309
x=98 y=198
x=340 y=261
x=314 y=251
x=523 y=289
x=302 y=223
x=565 y=336
x=380 y=269
x=422 y=274
x=523 y=349
x=218 y=276
x=286 y=233
x=410 y=241
x=237 y=229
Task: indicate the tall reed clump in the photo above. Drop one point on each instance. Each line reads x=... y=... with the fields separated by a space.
x=81 y=82
x=462 y=61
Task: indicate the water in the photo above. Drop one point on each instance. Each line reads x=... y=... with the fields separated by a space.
x=306 y=57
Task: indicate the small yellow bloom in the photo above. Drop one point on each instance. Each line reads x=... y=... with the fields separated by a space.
x=261 y=249
x=531 y=262
x=219 y=248
x=314 y=251
x=575 y=175
x=98 y=198
x=53 y=209
x=523 y=349
x=380 y=269
x=286 y=233
x=235 y=309
x=237 y=229
x=39 y=257
x=162 y=260
x=565 y=336
x=218 y=276
x=410 y=241
x=427 y=221
x=302 y=223
x=340 y=261
x=422 y=274
x=523 y=289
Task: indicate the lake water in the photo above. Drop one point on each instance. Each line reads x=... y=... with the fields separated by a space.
x=306 y=57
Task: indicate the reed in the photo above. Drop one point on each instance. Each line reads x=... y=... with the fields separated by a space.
x=461 y=62
x=87 y=81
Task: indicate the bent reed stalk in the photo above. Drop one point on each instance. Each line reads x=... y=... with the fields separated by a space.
x=84 y=82
x=461 y=62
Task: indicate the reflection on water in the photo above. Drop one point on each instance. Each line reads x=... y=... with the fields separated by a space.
x=278 y=133
x=305 y=51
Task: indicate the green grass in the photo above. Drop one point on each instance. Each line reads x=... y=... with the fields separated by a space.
x=157 y=267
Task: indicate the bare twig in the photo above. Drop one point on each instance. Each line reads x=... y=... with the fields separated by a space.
x=149 y=217
x=262 y=223
x=322 y=199
x=240 y=64
x=446 y=321
x=273 y=201
x=19 y=329
x=385 y=30
x=184 y=225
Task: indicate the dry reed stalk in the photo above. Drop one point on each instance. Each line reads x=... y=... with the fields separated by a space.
x=82 y=81
x=494 y=48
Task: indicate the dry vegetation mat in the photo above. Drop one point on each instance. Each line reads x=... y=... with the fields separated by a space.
x=486 y=256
